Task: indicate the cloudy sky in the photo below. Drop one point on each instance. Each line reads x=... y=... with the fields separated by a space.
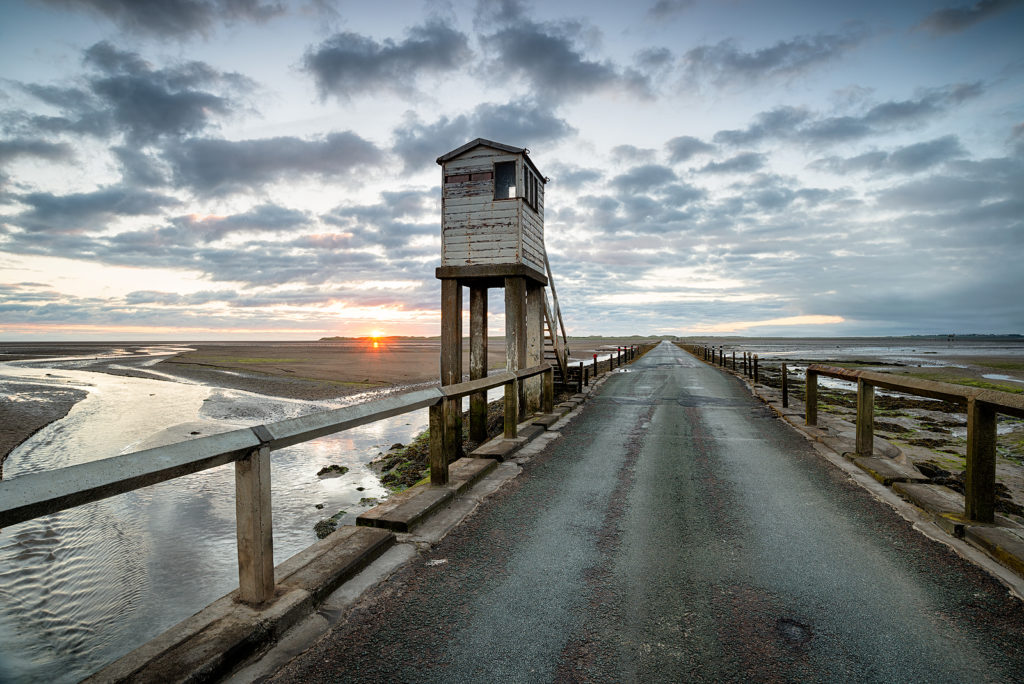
x=262 y=169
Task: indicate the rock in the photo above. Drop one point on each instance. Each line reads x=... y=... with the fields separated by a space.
x=360 y=489
x=396 y=445
x=324 y=528
x=332 y=470
x=319 y=506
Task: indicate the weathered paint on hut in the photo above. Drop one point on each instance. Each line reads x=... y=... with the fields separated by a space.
x=492 y=206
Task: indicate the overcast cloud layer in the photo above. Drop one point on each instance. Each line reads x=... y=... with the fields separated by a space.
x=256 y=169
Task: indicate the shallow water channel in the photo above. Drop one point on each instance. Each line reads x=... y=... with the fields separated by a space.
x=82 y=587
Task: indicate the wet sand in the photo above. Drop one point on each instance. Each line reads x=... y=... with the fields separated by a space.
x=35 y=407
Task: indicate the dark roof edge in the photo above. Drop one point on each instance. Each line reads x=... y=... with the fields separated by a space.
x=496 y=145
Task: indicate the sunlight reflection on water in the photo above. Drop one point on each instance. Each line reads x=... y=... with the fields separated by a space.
x=82 y=587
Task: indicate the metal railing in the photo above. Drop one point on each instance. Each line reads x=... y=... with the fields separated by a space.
x=37 y=494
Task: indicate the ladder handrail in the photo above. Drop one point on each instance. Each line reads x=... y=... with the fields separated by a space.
x=554 y=296
x=560 y=343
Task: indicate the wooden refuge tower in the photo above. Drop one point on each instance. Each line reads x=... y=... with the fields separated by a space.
x=492 y=236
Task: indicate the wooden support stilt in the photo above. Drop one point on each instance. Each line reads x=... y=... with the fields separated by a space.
x=478 y=361
x=515 y=339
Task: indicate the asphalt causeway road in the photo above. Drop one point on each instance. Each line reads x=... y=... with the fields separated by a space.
x=678 y=532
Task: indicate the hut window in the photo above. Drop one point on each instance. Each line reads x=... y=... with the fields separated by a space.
x=504 y=180
x=531 y=188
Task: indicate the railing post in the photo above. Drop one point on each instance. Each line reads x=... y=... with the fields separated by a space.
x=586 y=375
x=512 y=409
x=734 y=360
x=254 y=527
x=865 y=418
x=755 y=370
x=785 y=387
x=980 y=480
x=811 y=398
x=438 y=442
x=744 y=364
x=548 y=396
x=595 y=366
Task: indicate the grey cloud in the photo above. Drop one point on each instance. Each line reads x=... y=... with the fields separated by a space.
x=793 y=123
x=643 y=178
x=140 y=169
x=724 y=63
x=653 y=59
x=779 y=122
x=667 y=9
x=681 y=194
x=954 y=19
x=16 y=148
x=348 y=64
x=49 y=213
x=171 y=298
x=123 y=92
x=907 y=159
x=261 y=218
x=684 y=147
x=935 y=193
x=547 y=56
x=573 y=177
x=631 y=153
x=745 y=162
x=522 y=124
x=217 y=167
x=179 y=18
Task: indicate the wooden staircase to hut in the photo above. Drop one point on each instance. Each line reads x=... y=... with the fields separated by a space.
x=556 y=347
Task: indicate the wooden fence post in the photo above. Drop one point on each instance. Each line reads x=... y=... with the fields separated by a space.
x=865 y=418
x=438 y=439
x=595 y=366
x=734 y=360
x=512 y=409
x=785 y=387
x=980 y=480
x=254 y=527
x=548 y=396
x=811 y=398
x=579 y=380
x=755 y=369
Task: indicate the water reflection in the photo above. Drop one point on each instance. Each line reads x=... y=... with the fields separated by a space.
x=82 y=587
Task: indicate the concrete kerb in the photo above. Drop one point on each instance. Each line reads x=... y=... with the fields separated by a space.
x=999 y=548
x=230 y=641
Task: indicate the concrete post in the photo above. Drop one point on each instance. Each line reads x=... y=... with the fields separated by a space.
x=865 y=418
x=254 y=527
x=478 y=361
x=980 y=480
x=811 y=398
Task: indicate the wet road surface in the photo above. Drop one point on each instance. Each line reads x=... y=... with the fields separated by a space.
x=678 y=532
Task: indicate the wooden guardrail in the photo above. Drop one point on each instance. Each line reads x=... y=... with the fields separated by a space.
x=981 y=405
x=37 y=494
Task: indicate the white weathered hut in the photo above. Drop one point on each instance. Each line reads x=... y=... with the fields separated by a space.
x=492 y=209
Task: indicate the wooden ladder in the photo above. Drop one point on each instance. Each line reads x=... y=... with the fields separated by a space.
x=556 y=347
